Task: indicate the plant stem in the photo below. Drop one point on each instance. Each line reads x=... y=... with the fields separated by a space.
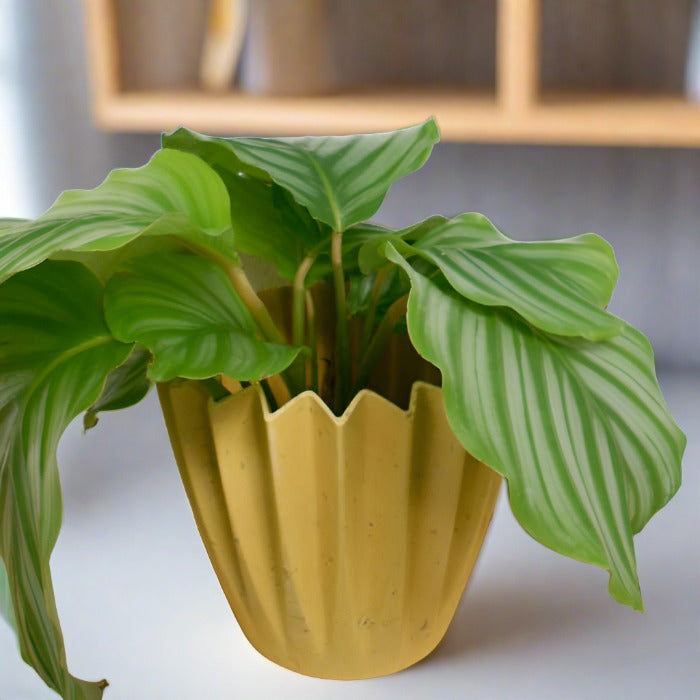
x=379 y=342
x=368 y=324
x=342 y=352
x=258 y=310
x=312 y=336
x=253 y=303
x=298 y=368
x=237 y=276
x=298 y=315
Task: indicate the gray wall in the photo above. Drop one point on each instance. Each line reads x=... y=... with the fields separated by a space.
x=646 y=202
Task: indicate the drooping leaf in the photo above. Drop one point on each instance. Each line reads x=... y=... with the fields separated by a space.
x=6 y=611
x=9 y=223
x=560 y=286
x=579 y=428
x=125 y=386
x=104 y=263
x=55 y=353
x=175 y=193
x=186 y=312
x=341 y=180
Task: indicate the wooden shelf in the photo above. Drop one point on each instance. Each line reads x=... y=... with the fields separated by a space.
x=515 y=113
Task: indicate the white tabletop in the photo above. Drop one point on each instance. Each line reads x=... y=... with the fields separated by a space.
x=140 y=604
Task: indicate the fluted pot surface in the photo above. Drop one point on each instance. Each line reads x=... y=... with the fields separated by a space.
x=343 y=544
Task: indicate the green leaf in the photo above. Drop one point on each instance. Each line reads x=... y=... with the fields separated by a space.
x=125 y=386
x=394 y=286
x=559 y=286
x=7 y=224
x=55 y=353
x=341 y=180
x=175 y=193
x=269 y=223
x=184 y=309
x=218 y=152
x=579 y=428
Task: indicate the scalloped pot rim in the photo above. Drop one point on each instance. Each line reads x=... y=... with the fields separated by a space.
x=362 y=396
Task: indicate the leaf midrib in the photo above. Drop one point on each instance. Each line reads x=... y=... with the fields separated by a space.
x=327 y=188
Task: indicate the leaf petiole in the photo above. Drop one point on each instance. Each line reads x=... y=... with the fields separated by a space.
x=342 y=359
x=298 y=368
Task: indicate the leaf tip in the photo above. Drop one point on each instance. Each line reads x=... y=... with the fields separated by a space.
x=431 y=127
x=90 y=420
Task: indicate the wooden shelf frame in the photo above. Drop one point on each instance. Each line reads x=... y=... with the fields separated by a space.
x=516 y=113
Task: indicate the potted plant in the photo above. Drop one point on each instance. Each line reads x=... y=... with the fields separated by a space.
x=140 y=280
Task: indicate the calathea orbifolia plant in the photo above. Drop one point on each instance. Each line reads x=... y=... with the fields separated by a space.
x=140 y=281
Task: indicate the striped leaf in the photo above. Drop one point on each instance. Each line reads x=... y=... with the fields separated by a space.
x=175 y=193
x=185 y=311
x=5 y=597
x=341 y=180
x=55 y=353
x=579 y=428
x=560 y=286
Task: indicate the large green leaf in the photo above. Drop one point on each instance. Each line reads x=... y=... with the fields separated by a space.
x=218 y=152
x=175 y=193
x=579 y=428
x=55 y=353
x=341 y=180
x=560 y=286
x=184 y=309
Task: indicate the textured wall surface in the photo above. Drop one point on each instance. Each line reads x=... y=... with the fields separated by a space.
x=645 y=201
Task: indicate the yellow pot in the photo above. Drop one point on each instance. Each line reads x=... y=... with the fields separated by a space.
x=343 y=544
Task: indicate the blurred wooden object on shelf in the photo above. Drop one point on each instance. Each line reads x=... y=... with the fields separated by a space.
x=226 y=27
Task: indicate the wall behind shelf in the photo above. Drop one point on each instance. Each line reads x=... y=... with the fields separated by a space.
x=644 y=201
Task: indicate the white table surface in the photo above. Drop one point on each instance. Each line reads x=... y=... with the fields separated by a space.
x=140 y=604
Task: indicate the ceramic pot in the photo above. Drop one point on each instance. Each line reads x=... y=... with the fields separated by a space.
x=343 y=544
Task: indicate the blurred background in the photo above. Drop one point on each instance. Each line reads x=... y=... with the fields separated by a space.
x=581 y=119
x=644 y=200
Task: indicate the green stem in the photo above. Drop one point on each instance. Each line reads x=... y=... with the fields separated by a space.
x=236 y=275
x=258 y=310
x=298 y=315
x=298 y=368
x=342 y=353
x=368 y=324
x=312 y=339
x=253 y=303
x=379 y=342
